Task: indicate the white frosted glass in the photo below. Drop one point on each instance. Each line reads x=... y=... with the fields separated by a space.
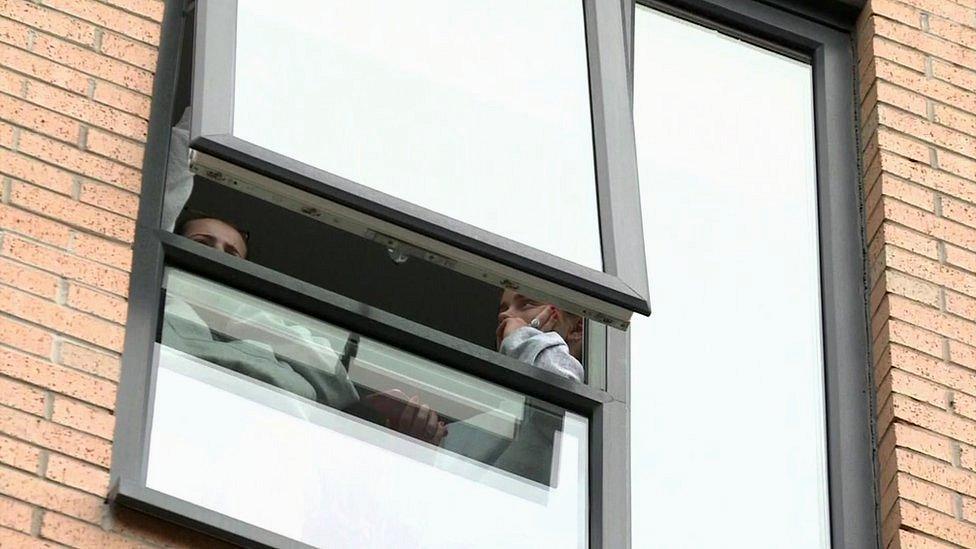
x=728 y=419
x=478 y=110
x=328 y=479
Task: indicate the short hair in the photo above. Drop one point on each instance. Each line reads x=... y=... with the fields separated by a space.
x=188 y=215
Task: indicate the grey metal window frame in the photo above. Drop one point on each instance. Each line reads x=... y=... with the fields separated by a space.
x=155 y=249
x=821 y=33
x=608 y=296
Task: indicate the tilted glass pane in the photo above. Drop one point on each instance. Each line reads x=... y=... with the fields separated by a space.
x=728 y=388
x=294 y=425
x=476 y=110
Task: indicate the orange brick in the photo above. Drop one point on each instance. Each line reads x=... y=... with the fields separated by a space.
x=66 y=265
x=103 y=251
x=153 y=9
x=914 y=337
x=962 y=379
x=912 y=540
x=15 y=34
x=898 y=53
x=34 y=171
x=125 y=151
x=50 y=21
x=937 y=472
x=927 y=131
x=932 y=271
x=34 y=226
x=28 y=279
x=934 y=88
x=960 y=258
x=55 y=437
x=927 y=43
x=920 y=440
x=955 y=118
x=110 y=198
x=927 y=494
x=90 y=360
x=77 y=474
x=85 y=163
x=123 y=99
x=74 y=323
x=954 y=32
x=58 y=378
x=97 y=303
x=909 y=287
x=110 y=18
x=964 y=405
x=19 y=454
x=71 y=211
x=967 y=457
x=962 y=354
x=957 y=210
x=43 y=69
x=951 y=10
x=83 y=417
x=934 y=419
x=961 y=305
x=93 y=63
x=130 y=51
x=910 y=240
x=11 y=538
x=929 y=224
x=41 y=120
x=75 y=533
x=964 y=78
x=957 y=164
x=897 y=11
x=918 y=388
x=900 y=144
x=924 y=175
x=11 y=83
x=15 y=515
x=25 y=337
x=917 y=196
x=937 y=524
x=22 y=397
x=49 y=495
x=6 y=135
x=86 y=110
x=901 y=98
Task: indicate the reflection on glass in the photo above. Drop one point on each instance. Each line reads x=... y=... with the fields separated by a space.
x=476 y=110
x=304 y=429
x=728 y=389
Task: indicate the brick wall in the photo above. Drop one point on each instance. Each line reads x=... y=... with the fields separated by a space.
x=917 y=68
x=75 y=84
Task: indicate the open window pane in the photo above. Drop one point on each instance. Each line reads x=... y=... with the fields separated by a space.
x=491 y=138
x=728 y=375
x=291 y=424
x=478 y=110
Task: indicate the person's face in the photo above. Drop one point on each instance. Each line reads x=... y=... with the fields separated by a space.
x=216 y=234
x=516 y=305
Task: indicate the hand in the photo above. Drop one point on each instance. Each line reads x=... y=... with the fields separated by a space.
x=506 y=327
x=408 y=416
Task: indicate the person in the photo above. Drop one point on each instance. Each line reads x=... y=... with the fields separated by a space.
x=284 y=354
x=548 y=338
x=540 y=334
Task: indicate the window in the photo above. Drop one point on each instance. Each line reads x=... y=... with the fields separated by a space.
x=432 y=126
x=749 y=382
x=322 y=341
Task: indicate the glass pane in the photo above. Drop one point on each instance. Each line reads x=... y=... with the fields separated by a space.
x=728 y=388
x=307 y=430
x=476 y=110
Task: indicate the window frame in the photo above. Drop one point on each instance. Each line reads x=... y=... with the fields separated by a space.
x=154 y=249
x=823 y=36
x=608 y=296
